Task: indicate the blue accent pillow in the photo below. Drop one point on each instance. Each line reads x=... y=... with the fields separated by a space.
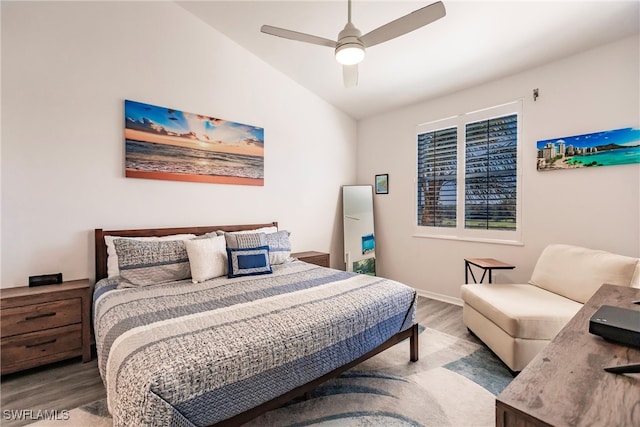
x=248 y=261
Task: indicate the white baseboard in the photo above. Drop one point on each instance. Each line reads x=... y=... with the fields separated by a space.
x=439 y=297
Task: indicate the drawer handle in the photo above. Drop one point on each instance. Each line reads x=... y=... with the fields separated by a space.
x=38 y=316
x=42 y=343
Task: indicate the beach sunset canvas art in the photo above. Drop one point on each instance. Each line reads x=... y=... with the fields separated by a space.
x=163 y=143
x=606 y=148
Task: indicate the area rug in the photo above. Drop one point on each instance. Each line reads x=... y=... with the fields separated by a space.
x=453 y=384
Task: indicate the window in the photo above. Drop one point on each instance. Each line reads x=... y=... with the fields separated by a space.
x=468 y=176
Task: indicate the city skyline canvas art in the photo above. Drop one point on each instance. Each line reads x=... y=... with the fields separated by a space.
x=168 y=144
x=606 y=148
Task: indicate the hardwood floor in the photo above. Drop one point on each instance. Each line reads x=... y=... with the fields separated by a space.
x=443 y=317
x=67 y=385
x=58 y=386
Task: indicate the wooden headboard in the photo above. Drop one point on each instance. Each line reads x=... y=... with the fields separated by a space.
x=101 y=247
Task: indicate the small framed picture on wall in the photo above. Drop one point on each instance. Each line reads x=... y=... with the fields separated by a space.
x=382 y=184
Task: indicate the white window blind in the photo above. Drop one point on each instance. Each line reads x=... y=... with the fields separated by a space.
x=491 y=173
x=437 y=177
x=468 y=170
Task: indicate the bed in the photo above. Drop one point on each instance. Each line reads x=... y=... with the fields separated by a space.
x=225 y=350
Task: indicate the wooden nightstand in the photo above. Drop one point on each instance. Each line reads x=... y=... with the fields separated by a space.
x=45 y=324
x=313 y=257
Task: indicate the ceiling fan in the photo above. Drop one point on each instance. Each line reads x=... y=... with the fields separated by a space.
x=350 y=47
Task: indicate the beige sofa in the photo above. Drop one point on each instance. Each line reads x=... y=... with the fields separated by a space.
x=516 y=321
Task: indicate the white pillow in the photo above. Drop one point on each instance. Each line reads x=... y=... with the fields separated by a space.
x=265 y=230
x=112 y=257
x=207 y=258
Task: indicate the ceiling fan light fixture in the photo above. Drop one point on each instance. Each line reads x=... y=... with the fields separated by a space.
x=351 y=44
x=350 y=53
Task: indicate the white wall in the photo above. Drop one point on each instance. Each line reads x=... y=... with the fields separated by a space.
x=66 y=69
x=597 y=208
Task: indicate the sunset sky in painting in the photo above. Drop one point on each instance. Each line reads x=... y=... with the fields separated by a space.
x=166 y=126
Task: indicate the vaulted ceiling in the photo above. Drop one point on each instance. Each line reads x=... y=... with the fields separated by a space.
x=476 y=42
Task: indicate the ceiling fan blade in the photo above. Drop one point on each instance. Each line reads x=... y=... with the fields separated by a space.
x=294 y=35
x=405 y=24
x=350 y=75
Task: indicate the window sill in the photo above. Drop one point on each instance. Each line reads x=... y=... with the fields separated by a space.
x=470 y=239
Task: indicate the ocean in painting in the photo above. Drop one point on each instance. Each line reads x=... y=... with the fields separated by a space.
x=606 y=148
x=155 y=157
x=621 y=156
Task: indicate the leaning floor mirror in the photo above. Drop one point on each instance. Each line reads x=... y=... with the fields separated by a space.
x=359 y=236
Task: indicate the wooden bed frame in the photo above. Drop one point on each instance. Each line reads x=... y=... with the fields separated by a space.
x=101 y=272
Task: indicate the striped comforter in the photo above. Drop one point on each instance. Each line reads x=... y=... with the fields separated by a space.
x=189 y=354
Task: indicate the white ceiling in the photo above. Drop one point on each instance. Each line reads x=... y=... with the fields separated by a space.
x=477 y=41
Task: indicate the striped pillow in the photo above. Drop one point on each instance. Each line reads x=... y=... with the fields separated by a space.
x=279 y=247
x=144 y=263
x=112 y=257
x=245 y=240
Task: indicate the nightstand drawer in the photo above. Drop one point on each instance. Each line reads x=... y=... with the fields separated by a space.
x=313 y=257
x=49 y=345
x=321 y=260
x=36 y=317
x=44 y=324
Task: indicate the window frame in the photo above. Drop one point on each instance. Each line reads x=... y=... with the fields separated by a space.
x=509 y=237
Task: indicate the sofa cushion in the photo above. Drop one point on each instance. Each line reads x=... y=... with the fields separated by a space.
x=521 y=310
x=577 y=273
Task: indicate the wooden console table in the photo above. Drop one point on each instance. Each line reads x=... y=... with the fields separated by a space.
x=565 y=384
x=486 y=264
